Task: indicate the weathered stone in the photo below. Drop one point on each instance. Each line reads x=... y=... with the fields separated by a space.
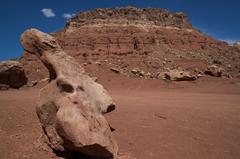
x=177 y=75
x=98 y=63
x=149 y=75
x=115 y=70
x=12 y=74
x=214 y=70
x=137 y=72
x=199 y=75
x=72 y=105
x=141 y=73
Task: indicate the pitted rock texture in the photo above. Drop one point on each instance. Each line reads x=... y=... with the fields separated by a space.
x=153 y=40
x=12 y=74
x=72 y=105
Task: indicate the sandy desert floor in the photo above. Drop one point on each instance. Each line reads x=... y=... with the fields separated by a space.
x=152 y=121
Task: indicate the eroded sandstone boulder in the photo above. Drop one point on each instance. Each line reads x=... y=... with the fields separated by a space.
x=12 y=74
x=214 y=70
x=177 y=75
x=72 y=105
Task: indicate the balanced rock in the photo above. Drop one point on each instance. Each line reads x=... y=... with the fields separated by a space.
x=72 y=105
x=177 y=75
x=12 y=74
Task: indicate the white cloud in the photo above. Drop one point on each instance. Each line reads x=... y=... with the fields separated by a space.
x=48 y=12
x=67 y=15
x=230 y=41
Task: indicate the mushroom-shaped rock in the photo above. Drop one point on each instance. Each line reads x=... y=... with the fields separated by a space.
x=72 y=105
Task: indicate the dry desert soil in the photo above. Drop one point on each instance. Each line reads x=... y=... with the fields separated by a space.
x=153 y=120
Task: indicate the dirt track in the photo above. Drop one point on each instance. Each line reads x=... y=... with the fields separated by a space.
x=196 y=122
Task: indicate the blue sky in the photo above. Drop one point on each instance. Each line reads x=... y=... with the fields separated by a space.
x=218 y=18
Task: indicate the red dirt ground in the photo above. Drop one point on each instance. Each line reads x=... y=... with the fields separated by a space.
x=153 y=120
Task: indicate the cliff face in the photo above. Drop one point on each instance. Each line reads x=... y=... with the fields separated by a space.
x=130 y=16
x=152 y=40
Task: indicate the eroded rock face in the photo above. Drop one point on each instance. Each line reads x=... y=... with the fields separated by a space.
x=72 y=105
x=12 y=74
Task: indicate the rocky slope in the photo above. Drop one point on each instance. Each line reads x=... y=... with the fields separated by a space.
x=151 y=40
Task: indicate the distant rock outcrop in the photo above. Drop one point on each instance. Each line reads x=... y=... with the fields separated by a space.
x=130 y=15
x=145 y=38
x=72 y=105
x=12 y=74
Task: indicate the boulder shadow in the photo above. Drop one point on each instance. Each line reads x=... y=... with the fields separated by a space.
x=76 y=155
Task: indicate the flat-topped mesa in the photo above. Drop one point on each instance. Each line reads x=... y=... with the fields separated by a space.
x=130 y=15
x=72 y=105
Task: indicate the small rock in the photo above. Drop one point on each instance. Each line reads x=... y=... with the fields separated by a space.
x=98 y=63
x=141 y=73
x=115 y=70
x=138 y=72
x=148 y=75
x=33 y=83
x=135 y=71
x=199 y=75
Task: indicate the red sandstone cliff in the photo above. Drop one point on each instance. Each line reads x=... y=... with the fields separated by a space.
x=152 y=40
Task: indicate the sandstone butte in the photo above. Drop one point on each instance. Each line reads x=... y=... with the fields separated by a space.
x=152 y=40
x=71 y=106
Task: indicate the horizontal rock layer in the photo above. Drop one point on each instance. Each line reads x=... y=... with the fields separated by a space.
x=150 y=39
